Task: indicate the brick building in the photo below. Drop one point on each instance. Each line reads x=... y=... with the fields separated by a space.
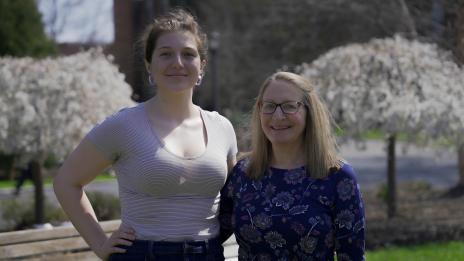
x=130 y=19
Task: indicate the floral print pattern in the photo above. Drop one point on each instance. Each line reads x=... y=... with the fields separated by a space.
x=296 y=210
x=287 y=215
x=263 y=221
x=283 y=199
x=346 y=189
x=308 y=244
x=274 y=239
x=294 y=177
x=345 y=219
x=250 y=234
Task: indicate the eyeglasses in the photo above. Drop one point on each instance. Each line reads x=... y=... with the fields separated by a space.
x=290 y=107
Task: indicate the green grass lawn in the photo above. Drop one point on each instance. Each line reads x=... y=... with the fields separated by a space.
x=374 y=135
x=417 y=138
x=449 y=251
x=48 y=181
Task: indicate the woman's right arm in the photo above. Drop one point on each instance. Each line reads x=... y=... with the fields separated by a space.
x=80 y=168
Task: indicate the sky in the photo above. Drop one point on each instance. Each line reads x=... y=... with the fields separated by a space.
x=78 y=20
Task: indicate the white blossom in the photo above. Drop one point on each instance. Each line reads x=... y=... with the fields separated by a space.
x=392 y=84
x=48 y=105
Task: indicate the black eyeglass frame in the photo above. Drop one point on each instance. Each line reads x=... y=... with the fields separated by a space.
x=282 y=106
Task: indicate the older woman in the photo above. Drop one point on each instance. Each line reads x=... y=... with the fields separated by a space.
x=292 y=198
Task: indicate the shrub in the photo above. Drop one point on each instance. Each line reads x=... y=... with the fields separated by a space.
x=106 y=205
x=382 y=193
x=18 y=214
x=51 y=161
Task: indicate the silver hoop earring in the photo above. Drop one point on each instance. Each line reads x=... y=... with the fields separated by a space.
x=150 y=80
x=200 y=78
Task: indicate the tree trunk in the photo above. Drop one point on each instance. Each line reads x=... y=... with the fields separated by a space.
x=7 y=166
x=391 y=176
x=461 y=166
x=11 y=167
x=460 y=34
x=460 y=56
x=408 y=18
x=39 y=197
x=458 y=190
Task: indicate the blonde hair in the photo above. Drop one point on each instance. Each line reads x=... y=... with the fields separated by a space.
x=319 y=142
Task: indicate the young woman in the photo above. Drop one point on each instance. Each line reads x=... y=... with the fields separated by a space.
x=292 y=198
x=171 y=159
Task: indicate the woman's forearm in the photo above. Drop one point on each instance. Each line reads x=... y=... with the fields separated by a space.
x=79 y=210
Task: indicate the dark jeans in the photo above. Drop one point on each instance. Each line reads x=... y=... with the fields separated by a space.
x=210 y=250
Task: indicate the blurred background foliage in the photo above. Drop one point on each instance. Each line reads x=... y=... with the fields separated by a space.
x=259 y=37
x=18 y=213
x=21 y=30
x=262 y=36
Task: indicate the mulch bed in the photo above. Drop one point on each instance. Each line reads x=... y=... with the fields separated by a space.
x=424 y=215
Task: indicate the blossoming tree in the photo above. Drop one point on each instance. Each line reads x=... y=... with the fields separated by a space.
x=395 y=85
x=48 y=105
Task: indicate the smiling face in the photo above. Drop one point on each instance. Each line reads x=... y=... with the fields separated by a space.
x=280 y=128
x=175 y=65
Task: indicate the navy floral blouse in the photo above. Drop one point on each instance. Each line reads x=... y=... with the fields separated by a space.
x=289 y=216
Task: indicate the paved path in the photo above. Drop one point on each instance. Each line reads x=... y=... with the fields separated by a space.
x=435 y=166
